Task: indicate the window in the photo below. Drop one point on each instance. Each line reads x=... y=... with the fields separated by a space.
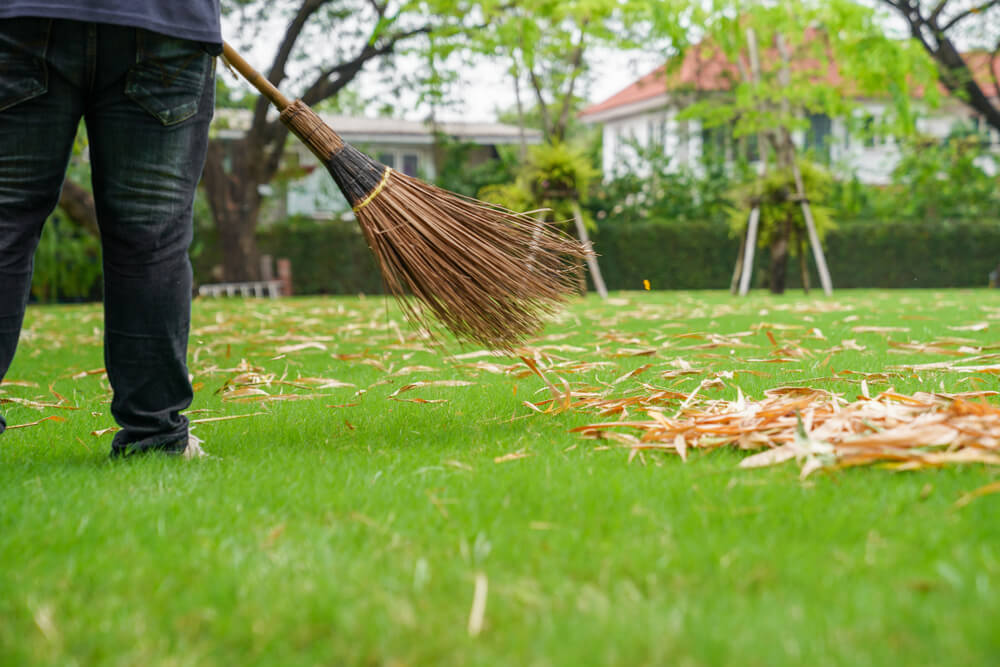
x=716 y=141
x=410 y=163
x=818 y=136
x=657 y=129
x=752 y=147
x=868 y=131
x=388 y=159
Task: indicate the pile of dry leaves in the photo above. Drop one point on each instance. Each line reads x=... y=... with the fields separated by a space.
x=818 y=428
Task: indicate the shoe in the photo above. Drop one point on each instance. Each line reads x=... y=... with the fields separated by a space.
x=193 y=449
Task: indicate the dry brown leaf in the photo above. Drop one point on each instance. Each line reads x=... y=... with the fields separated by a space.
x=83 y=374
x=299 y=347
x=52 y=418
x=978 y=493
x=208 y=420
x=324 y=383
x=18 y=383
x=431 y=383
x=870 y=329
x=513 y=456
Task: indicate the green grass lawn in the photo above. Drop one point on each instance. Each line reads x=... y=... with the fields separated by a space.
x=342 y=524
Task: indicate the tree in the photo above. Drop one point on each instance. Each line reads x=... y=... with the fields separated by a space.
x=814 y=59
x=549 y=46
x=938 y=25
x=316 y=67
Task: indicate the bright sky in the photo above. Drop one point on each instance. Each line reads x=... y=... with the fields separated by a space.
x=486 y=87
x=483 y=89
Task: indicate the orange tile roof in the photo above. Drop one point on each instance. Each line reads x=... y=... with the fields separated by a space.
x=979 y=63
x=706 y=69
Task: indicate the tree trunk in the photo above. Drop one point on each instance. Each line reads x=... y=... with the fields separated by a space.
x=779 y=258
x=78 y=205
x=231 y=185
x=803 y=262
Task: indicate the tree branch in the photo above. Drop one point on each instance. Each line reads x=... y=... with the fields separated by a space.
x=936 y=12
x=543 y=108
x=968 y=12
x=277 y=71
x=576 y=61
x=954 y=71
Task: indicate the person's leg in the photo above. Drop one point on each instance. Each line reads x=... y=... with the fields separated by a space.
x=148 y=121
x=40 y=108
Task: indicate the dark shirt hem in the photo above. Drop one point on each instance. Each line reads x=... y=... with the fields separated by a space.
x=211 y=36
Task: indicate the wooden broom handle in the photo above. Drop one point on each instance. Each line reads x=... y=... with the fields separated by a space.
x=255 y=78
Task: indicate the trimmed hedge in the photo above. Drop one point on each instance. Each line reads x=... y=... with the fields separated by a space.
x=327 y=257
x=332 y=258
x=914 y=254
x=669 y=256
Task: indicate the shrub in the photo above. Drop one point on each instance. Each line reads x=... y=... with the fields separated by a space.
x=67 y=263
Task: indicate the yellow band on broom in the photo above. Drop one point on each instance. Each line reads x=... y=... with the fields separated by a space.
x=374 y=193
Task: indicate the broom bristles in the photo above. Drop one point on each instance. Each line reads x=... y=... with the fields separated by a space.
x=484 y=273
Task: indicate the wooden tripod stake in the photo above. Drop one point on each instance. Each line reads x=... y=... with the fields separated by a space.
x=786 y=150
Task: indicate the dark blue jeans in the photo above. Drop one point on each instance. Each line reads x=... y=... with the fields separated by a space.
x=147 y=103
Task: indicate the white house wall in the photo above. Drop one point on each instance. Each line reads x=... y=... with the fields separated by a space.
x=316 y=194
x=679 y=139
x=848 y=154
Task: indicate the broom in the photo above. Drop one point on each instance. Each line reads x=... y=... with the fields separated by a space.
x=485 y=273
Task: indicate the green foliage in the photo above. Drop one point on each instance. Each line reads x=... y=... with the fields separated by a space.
x=550 y=47
x=943 y=181
x=67 y=263
x=555 y=175
x=454 y=172
x=932 y=181
x=557 y=171
x=692 y=255
x=663 y=193
x=775 y=193
x=820 y=35
x=332 y=257
x=327 y=257
x=914 y=253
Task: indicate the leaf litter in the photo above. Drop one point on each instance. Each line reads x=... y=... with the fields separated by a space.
x=685 y=382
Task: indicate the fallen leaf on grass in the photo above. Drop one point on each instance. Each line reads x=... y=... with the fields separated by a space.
x=83 y=374
x=244 y=392
x=431 y=383
x=631 y=374
x=299 y=347
x=209 y=420
x=978 y=326
x=53 y=418
x=18 y=383
x=822 y=430
x=37 y=405
x=324 y=383
x=478 y=611
x=104 y=431
x=978 y=493
x=869 y=329
x=513 y=456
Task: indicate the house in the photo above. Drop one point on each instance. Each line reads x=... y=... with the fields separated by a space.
x=645 y=113
x=412 y=147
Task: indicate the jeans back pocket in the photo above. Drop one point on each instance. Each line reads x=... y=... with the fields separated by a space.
x=168 y=77
x=23 y=72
